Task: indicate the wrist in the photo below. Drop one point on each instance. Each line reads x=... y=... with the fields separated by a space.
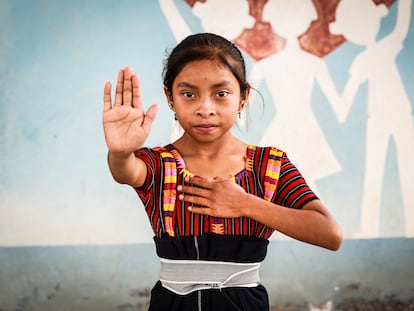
x=119 y=156
x=247 y=205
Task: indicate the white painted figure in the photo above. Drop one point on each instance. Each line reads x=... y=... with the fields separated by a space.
x=291 y=75
x=226 y=18
x=389 y=109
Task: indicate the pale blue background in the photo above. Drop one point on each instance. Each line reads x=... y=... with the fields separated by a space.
x=55 y=187
x=55 y=58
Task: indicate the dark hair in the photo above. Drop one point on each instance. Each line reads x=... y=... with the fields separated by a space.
x=205 y=46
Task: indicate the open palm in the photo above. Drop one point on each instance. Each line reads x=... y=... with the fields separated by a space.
x=126 y=125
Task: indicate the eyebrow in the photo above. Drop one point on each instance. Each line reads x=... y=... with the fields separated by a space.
x=216 y=85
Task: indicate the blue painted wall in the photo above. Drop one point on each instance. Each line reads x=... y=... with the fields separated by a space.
x=71 y=237
x=120 y=277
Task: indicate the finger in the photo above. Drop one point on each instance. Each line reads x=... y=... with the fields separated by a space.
x=195 y=201
x=194 y=191
x=136 y=92
x=127 y=89
x=200 y=182
x=119 y=88
x=107 y=97
x=199 y=210
x=149 y=118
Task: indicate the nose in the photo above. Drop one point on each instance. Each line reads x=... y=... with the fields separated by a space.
x=206 y=108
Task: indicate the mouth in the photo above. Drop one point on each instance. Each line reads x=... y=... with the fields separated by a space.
x=205 y=128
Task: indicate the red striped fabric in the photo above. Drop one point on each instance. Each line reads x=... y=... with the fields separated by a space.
x=287 y=188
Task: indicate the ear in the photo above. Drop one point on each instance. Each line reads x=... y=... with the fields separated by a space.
x=244 y=98
x=169 y=98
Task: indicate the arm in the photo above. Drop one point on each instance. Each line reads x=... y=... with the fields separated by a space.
x=126 y=127
x=403 y=20
x=223 y=198
x=358 y=74
x=329 y=89
x=312 y=224
x=348 y=95
x=174 y=19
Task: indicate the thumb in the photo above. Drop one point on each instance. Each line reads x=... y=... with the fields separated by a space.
x=150 y=116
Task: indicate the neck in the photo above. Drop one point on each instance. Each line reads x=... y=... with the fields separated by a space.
x=188 y=147
x=292 y=44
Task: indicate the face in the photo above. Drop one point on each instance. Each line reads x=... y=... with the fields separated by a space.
x=290 y=18
x=223 y=17
x=206 y=99
x=359 y=21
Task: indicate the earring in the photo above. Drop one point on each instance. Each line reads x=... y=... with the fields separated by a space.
x=175 y=117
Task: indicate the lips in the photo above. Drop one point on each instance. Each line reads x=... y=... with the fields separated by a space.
x=205 y=128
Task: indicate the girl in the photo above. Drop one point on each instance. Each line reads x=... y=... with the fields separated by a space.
x=212 y=200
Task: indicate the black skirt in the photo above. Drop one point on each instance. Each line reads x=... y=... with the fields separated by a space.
x=211 y=247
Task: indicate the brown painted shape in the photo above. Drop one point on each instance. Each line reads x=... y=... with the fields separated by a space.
x=262 y=41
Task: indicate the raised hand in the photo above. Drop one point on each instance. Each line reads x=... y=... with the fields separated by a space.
x=126 y=125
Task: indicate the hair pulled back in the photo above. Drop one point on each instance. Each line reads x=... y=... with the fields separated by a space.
x=203 y=46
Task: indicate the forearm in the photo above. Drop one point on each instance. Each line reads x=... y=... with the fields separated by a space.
x=403 y=20
x=127 y=168
x=312 y=224
x=223 y=198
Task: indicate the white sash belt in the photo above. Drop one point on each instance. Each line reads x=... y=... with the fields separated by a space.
x=185 y=276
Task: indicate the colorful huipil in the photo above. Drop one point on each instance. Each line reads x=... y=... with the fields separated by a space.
x=182 y=235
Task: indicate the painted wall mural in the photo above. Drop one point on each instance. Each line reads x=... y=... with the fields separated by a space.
x=335 y=78
x=288 y=42
x=335 y=91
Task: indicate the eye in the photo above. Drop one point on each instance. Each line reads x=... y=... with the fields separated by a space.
x=188 y=94
x=222 y=94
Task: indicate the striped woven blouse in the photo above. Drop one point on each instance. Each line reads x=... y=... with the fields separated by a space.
x=268 y=173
